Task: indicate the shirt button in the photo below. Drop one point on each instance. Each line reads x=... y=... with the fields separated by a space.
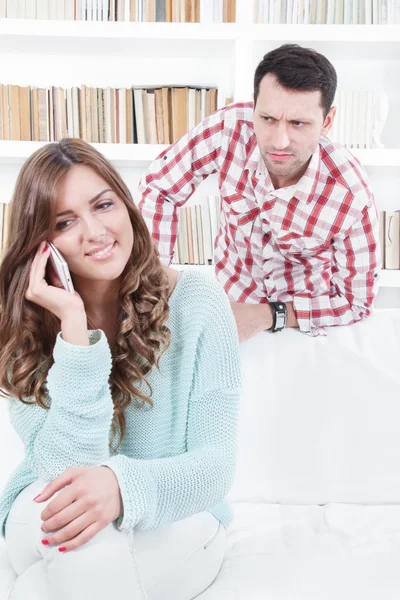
x=270 y=296
x=268 y=277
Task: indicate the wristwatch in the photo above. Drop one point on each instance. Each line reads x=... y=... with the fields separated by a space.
x=279 y=316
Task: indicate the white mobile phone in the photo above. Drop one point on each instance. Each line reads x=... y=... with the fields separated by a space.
x=60 y=266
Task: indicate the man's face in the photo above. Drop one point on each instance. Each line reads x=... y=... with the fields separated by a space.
x=288 y=125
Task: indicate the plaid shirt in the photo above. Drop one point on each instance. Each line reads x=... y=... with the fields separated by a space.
x=315 y=243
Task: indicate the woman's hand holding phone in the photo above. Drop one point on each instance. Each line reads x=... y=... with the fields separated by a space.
x=66 y=306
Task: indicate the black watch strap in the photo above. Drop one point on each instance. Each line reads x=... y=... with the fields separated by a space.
x=279 y=315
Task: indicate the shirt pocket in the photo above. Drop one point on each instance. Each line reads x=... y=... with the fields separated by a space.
x=242 y=216
x=298 y=247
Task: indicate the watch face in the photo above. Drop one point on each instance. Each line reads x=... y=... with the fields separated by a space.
x=280 y=309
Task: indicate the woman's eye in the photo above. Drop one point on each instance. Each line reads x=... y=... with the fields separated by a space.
x=62 y=225
x=103 y=205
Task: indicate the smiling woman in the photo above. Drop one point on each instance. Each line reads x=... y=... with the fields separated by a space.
x=124 y=392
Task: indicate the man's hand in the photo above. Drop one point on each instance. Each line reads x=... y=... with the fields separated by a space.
x=251 y=319
x=90 y=499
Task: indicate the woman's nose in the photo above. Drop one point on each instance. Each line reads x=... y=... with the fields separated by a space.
x=94 y=229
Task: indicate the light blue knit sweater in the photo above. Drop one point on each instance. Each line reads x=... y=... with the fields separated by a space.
x=178 y=457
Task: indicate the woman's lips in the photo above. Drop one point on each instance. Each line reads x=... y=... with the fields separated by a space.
x=103 y=255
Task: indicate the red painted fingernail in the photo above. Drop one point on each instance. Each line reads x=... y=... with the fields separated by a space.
x=36 y=497
x=62 y=549
x=45 y=542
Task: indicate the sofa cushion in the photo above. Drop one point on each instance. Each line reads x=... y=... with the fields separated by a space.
x=285 y=552
x=319 y=416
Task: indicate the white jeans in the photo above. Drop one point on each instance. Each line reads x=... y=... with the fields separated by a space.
x=177 y=561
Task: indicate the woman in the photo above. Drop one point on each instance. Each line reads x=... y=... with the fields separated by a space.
x=129 y=427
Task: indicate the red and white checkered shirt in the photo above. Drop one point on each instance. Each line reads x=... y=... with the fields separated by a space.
x=315 y=243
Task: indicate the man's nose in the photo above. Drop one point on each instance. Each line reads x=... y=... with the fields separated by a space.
x=281 y=139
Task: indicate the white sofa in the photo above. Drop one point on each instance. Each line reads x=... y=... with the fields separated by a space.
x=317 y=490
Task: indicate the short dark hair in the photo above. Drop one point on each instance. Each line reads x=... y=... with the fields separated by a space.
x=298 y=68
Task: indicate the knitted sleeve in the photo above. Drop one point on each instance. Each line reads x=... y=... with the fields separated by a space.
x=75 y=430
x=159 y=491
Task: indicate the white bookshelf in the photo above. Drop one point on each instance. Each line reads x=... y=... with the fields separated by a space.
x=68 y=53
x=141 y=154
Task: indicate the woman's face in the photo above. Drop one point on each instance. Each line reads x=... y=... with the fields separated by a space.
x=93 y=230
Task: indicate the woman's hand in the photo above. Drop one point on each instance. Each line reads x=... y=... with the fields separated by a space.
x=51 y=297
x=90 y=500
x=69 y=308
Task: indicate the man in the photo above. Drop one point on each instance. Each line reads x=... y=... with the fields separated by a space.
x=298 y=243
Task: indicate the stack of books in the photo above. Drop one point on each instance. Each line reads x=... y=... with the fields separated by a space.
x=198 y=228
x=4 y=212
x=327 y=12
x=167 y=11
x=133 y=115
x=360 y=118
x=389 y=233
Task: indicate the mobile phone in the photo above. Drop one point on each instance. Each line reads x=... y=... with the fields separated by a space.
x=60 y=267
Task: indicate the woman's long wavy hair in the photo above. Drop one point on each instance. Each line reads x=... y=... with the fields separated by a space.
x=28 y=332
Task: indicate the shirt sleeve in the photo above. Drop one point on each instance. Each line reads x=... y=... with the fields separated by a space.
x=173 y=177
x=75 y=430
x=354 y=280
x=158 y=491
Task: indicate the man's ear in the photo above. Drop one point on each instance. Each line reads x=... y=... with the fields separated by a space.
x=330 y=117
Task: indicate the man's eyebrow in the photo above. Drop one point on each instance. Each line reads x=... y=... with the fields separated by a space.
x=264 y=113
x=97 y=196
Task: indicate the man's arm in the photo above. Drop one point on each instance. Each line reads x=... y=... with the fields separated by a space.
x=173 y=177
x=255 y=318
x=354 y=278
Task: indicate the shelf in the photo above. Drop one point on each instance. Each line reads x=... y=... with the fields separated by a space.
x=388 y=157
x=327 y=33
x=19 y=36
x=27 y=28
x=141 y=154
x=12 y=152
x=390 y=278
x=117 y=30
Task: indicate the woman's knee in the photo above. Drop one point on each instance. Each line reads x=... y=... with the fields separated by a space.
x=24 y=509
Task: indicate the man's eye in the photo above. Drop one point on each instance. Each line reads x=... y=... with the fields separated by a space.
x=297 y=123
x=267 y=119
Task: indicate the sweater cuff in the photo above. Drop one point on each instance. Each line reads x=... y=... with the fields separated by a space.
x=93 y=360
x=138 y=490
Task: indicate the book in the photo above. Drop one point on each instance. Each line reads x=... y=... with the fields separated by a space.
x=392 y=240
x=150 y=116
x=43 y=113
x=179 y=112
x=15 y=132
x=129 y=116
x=158 y=97
x=25 y=113
x=382 y=224
x=161 y=11
x=139 y=112
x=12 y=9
x=30 y=8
